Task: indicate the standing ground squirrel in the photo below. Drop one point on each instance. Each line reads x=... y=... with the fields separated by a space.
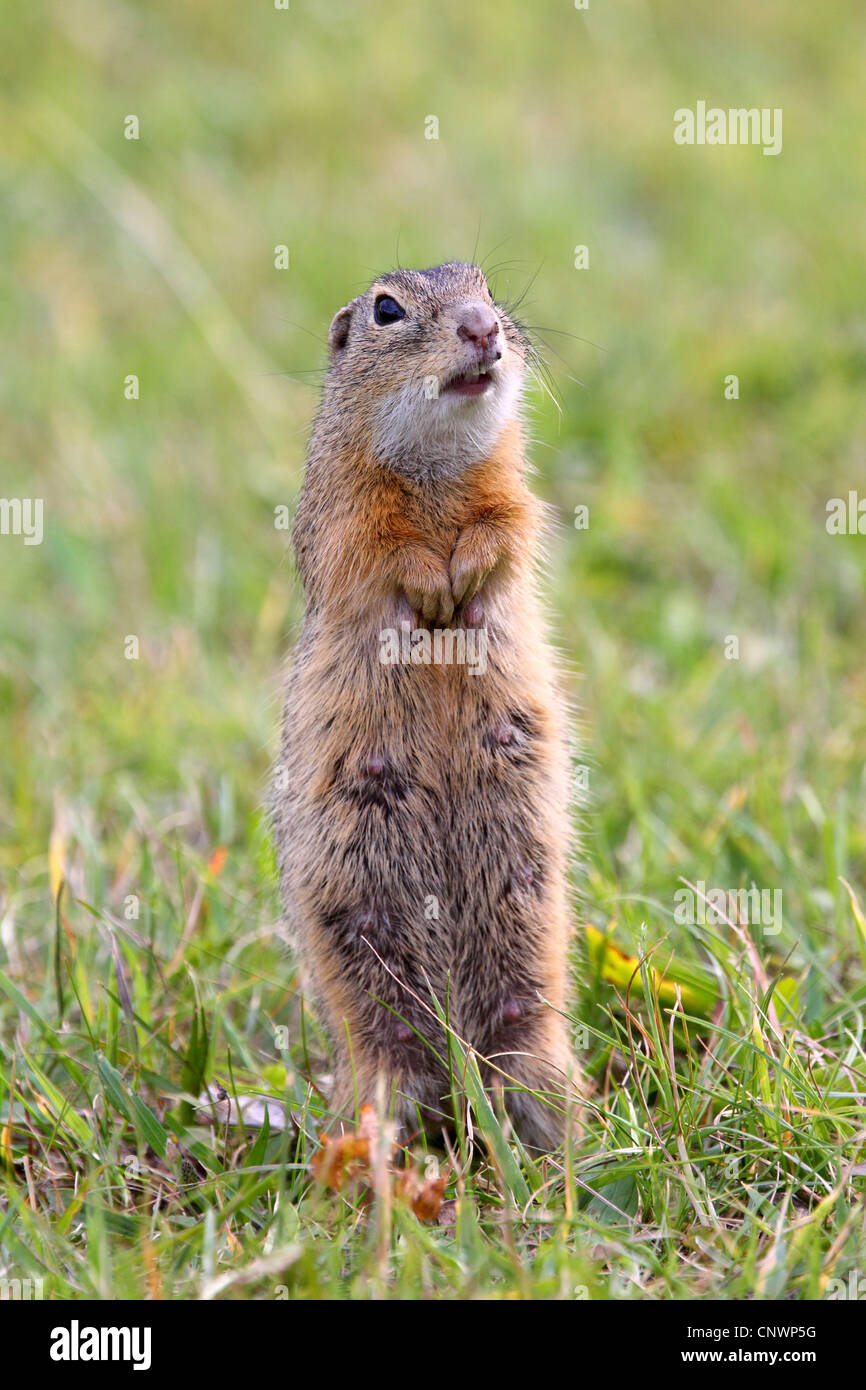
x=422 y=833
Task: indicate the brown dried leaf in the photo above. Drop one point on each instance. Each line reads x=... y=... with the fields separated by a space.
x=367 y=1155
x=428 y=1202
x=423 y=1194
x=341 y=1160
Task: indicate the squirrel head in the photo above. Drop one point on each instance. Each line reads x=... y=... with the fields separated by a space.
x=426 y=369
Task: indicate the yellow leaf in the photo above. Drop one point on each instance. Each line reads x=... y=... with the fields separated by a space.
x=858 y=916
x=57 y=852
x=618 y=969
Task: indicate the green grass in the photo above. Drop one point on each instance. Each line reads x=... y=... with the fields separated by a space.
x=720 y=1156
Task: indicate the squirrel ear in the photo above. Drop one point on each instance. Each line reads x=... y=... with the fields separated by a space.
x=338 y=333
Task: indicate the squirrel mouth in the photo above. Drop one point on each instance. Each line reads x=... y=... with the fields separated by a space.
x=472 y=383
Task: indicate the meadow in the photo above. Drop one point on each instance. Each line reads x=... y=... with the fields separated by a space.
x=159 y=370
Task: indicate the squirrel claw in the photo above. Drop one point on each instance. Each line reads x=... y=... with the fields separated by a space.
x=465 y=582
x=472 y=562
x=434 y=605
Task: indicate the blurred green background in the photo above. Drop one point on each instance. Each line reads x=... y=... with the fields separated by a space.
x=306 y=127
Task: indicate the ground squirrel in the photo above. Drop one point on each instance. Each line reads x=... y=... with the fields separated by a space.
x=422 y=828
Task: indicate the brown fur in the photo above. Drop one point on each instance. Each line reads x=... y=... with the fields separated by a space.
x=408 y=783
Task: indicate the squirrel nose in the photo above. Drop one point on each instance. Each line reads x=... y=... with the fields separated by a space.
x=477 y=324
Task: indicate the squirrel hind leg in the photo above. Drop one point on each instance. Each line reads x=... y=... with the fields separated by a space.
x=541 y=1097
x=411 y=1097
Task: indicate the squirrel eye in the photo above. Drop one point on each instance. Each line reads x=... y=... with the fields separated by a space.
x=386 y=310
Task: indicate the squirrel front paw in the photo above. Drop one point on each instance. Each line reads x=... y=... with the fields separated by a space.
x=422 y=577
x=471 y=563
x=434 y=605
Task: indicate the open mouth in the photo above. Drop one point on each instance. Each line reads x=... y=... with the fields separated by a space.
x=473 y=383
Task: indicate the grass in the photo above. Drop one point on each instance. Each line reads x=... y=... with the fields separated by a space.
x=141 y=953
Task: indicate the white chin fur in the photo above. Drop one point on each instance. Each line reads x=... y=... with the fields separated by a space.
x=420 y=434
